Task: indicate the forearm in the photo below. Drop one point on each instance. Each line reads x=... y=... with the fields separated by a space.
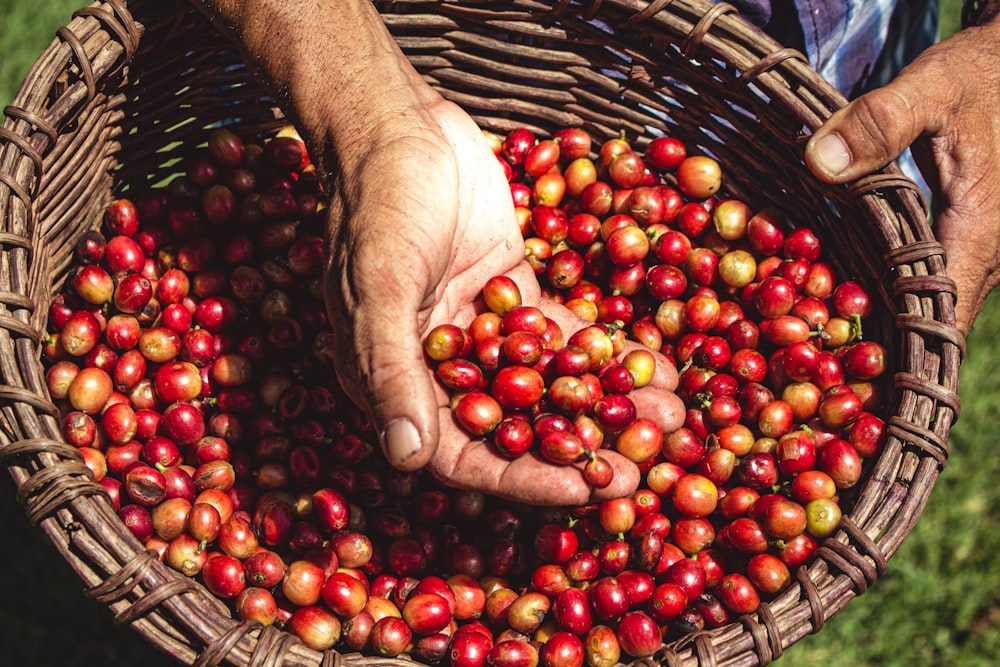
x=332 y=66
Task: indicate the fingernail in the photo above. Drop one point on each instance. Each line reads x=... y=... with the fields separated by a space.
x=401 y=440
x=832 y=155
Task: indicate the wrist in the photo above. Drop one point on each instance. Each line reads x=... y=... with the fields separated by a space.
x=979 y=12
x=333 y=68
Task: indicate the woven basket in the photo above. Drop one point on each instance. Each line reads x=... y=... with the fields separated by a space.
x=127 y=88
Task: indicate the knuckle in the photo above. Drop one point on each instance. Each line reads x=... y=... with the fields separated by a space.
x=885 y=121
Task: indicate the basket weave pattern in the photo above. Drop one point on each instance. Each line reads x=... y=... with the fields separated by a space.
x=127 y=88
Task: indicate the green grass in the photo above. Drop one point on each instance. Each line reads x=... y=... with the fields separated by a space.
x=26 y=29
x=937 y=606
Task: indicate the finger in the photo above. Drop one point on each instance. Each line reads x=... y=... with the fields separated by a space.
x=625 y=480
x=970 y=263
x=397 y=389
x=662 y=406
x=665 y=375
x=528 y=478
x=872 y=130
x=381 y=363
x=404 y=418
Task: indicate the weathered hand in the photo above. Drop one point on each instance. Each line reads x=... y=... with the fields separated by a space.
x=418 y=226
x=945 y=102
x=421 y=217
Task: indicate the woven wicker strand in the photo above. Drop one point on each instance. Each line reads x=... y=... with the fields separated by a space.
x=127 y=88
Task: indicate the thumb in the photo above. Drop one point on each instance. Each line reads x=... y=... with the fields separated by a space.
x=379 y=356
x=870 y=132
x=396 y=386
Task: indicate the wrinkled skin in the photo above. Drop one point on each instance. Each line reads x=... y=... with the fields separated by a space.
x=944 y=103
x=408 y=254
x=421 y=216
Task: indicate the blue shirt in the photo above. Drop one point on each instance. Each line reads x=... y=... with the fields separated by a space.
x=855 y=45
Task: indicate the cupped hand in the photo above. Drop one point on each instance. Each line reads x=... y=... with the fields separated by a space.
x=945 y=102
x=421 y=217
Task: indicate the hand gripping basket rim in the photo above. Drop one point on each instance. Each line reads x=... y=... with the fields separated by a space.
x=95 y=98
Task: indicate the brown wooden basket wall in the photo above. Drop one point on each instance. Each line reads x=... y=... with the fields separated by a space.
x=127 y=88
